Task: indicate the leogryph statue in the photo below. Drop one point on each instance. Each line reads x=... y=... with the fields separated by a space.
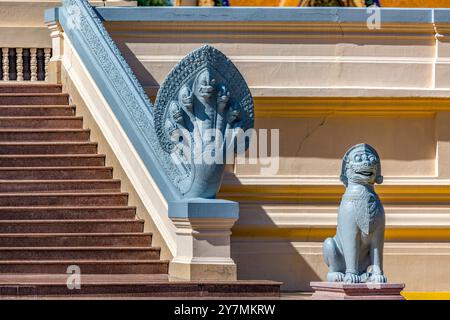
x=355 y=254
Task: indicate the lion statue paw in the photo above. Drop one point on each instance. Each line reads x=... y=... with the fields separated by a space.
x=335 y=277
x=352 y=278
x=377 y=278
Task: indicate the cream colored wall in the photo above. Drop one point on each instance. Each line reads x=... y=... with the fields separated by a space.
x=327 y=87
x=287 y=59
x=22 y=21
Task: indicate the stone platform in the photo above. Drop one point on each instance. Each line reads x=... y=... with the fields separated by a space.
x=356 y=291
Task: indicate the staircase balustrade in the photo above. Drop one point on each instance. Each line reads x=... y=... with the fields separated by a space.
x=25 y=64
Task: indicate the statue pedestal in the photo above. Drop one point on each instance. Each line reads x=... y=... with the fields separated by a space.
x=356 y=291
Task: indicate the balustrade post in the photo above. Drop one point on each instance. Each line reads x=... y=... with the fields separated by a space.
x=48 y=54
x=19 y=64
x=33 y=64
x=54 y=65
x=5 y=64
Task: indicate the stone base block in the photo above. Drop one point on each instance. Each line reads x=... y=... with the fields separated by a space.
x=203 y=272
x=356 y=291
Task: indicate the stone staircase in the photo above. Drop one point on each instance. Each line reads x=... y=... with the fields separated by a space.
x=61 y=206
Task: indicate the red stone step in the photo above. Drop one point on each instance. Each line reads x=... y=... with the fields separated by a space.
x=41 y=148
x=77 y=253
x=63 y=199
x=47 y=135
x=55 y=173
x=87 y=267
x=101 y=286
x=72 y=122
x=75 y=239
x=67 y=213
x=98 y=185
x=34 y=98
x=37 y=111
x=60 y=207
x=30 y=88
x=71 y=226
x=53 y=160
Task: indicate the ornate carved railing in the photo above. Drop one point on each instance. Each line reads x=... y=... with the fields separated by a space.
x=206 y=68
x=25 y=64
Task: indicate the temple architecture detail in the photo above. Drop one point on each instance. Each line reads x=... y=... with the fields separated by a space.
x=122 y=126
x=359 y=240
x=202 y=106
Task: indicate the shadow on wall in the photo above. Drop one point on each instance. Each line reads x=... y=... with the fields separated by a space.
x=144 y=76
x=285 y=265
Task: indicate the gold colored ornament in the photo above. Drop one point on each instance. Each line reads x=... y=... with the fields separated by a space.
x=206 y=3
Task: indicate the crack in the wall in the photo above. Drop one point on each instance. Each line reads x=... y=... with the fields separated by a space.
x=339 y=22
x=310 y=133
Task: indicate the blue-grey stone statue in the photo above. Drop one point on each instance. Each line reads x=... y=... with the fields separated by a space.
x=201 y=108
x=355 y=253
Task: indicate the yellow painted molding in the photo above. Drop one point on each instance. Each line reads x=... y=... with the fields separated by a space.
x=411 y=295
x=331 y=194
x=266 y=30
x=416 y=3
x=279 y=107
x=312 y=234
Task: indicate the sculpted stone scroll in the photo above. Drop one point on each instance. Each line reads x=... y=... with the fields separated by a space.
x=201 y=109
x=355 y=253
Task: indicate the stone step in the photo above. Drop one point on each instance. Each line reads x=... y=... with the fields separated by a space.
x=36 y=111
x=86 y=267
x=42 y=148
x=67 y=213
x=108 y=239
x=71 y=122
x=55 y=173
x=98 y=185
x=63 y=199
x=116 y=286
x=69 y=160
x=71 y=226
x=30 y=88
x=76 y=253
x=48 y=135
x=34 y=99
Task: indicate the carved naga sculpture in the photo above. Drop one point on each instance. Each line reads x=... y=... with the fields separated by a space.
x=358 y=244
x=202 y=108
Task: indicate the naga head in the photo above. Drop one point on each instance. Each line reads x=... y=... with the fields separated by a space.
x=185 y=98
x=361 y=165
x=177 y=113
x=204 y=85
x=233 y=116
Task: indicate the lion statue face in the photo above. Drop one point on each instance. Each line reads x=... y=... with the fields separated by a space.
x=361 y=165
